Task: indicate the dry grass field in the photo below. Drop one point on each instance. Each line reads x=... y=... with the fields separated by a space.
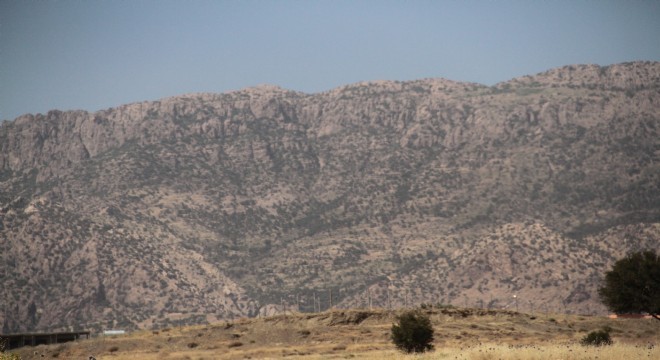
x=364 y=334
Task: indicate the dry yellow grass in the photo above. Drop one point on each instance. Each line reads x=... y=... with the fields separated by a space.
x=481 y=352
x=364 y=334
x=543 y=352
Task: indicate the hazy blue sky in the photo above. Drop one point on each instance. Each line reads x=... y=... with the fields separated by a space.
x=97 y=54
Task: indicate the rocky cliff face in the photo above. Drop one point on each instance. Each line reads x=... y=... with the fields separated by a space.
x=212 y=206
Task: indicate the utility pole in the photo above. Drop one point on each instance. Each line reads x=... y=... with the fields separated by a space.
x=330 y=292
x=389 y=302
x=285 y=303
x=369 y=294
x=405 y=299
x=314 y=301
x=515 y=299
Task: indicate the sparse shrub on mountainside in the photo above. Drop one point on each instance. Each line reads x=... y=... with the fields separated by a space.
x=413 y=332
x=597 y=338
x=443 y=306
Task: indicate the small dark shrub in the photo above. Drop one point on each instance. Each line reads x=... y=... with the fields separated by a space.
x=443 y=306
x=413 y=332
x=597 y=338
x=193 y=345
x=113 y=349
x=235 y=344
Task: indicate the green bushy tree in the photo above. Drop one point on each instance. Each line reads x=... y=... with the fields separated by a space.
x=633 y=285
x=413 y=332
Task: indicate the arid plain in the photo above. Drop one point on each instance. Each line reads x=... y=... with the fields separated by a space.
x=364 y=334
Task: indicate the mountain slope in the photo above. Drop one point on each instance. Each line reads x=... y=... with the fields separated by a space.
x=208 y=206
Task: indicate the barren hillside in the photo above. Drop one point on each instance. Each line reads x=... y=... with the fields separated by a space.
x=203 y=207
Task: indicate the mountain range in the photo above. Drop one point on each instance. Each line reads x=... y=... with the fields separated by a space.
x=204 y=207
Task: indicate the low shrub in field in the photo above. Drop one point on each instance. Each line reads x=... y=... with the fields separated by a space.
x=413 y=332
x=597 y=338
x=7 y=355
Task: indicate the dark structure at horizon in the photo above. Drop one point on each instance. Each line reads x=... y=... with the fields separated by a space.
x=14 y=341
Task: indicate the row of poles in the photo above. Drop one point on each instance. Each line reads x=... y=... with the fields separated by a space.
x=369 y=302
x=333 y=300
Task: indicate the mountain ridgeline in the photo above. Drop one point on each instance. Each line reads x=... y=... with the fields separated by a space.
x=204 y=207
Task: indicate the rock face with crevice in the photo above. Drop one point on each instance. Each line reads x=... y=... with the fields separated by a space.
x=203 y=207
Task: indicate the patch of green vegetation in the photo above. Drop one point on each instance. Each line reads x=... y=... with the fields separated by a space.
x=597 y=338
x=528 y=91
x=413 y=332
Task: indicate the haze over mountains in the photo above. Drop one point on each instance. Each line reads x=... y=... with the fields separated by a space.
x=202 y=207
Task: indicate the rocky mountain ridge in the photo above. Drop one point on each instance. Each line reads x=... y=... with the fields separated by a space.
x=211 y=206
